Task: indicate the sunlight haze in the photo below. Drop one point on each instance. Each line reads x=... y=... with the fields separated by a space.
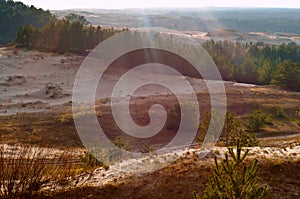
x=121 y=4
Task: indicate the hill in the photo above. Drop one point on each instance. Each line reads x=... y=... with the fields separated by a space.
x=15 y=14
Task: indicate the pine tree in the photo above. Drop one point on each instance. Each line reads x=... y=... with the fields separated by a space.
x=233 y=179
x=233 y=131
x=25 y=36
x=287 y=75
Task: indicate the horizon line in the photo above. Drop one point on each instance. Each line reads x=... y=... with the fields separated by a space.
x=194 y=8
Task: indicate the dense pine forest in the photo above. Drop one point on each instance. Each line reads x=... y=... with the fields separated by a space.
x=15 y=14
x=257 y=63
x=70 y=34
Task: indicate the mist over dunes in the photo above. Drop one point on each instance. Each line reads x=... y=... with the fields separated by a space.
x=198 y=19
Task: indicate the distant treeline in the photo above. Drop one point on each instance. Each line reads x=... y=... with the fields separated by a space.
x=15 y=14
x=275 y=22
x=257 y=63
x=71 y=34
x=247 y=63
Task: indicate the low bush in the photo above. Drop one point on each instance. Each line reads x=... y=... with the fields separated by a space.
x=257 y=120
x=147 y=148
x=116 y=153
x=91 y=162
x=175 y=118
x=280 y=113
x=232 y=131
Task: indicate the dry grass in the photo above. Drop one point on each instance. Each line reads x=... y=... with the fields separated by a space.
x=45 y=129
x=279 y=141
x=180 y=179
x=25 y=170
x=55 y=128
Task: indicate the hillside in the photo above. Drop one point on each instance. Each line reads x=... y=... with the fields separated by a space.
x=15 y=14
x=36 y=110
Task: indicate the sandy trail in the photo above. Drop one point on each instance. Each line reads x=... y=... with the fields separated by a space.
x=118 y=172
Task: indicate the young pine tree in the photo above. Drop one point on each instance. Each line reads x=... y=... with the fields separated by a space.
x=233 y=179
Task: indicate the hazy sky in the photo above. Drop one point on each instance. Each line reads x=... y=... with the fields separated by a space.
x=117 y=4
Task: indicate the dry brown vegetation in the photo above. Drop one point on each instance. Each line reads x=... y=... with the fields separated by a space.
x=54 y=127
x=25 y=170
x=180 y=179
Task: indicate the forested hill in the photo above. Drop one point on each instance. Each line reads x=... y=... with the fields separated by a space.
x=15 y=14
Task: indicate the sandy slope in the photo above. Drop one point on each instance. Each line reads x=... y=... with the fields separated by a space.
x=33 y=81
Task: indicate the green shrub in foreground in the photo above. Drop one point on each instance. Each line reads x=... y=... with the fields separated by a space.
x=233 y=179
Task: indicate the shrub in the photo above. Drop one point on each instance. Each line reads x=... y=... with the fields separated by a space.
x=257 y=120
x=203 y=127
x=174 y=115
x=121 y=143
x=233 y=179
x=231 y=125
x=232 y=131
x=280 y=113
x=247 y=139
x=147 y=148
x=90 y=162
x=297 y=113
x=115 y=153
x=99 y=156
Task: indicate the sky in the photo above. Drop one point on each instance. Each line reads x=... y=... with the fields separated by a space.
x=121 y=4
